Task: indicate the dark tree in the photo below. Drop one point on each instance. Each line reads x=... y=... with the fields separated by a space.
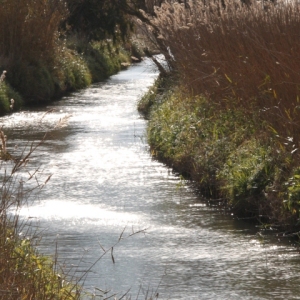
x=100 y=19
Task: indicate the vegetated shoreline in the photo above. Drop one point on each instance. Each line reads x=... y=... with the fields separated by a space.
x=229 y=158
x=24 y=272
x=97 y=62
x=50 y=49
x=230 y=121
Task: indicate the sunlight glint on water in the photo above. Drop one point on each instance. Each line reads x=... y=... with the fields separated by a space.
x=104 y=180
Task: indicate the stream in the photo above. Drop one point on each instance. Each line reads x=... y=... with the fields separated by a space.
x=105 y=185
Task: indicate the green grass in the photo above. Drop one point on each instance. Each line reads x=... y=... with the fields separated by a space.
x=76 y=66
x=195 y=135
x=227 y=154
x=6 y=94
x=245 y=176
x=232 y=124
x=25 y=274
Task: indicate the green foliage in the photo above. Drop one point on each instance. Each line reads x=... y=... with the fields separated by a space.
x=33 y=81
x=71 y=71
x=6 y=94
x=104 y=59
x=195 y=136
x=4 y=99
x=292 y=197
x=38 y=63
x=228 y=154
x=247 y=172
x=25 y=274
x=151 y=97
x=99 y=19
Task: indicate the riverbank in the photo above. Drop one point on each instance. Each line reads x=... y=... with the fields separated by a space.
x=76 y=211
x=24 y=272
x=231 y=119
x=78 y=64
x=232 y=159
x=104 y=180
x=34 y=274
x=54 y=48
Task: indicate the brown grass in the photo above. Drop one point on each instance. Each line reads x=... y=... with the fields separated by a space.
x=29 y=29
x=245 y=56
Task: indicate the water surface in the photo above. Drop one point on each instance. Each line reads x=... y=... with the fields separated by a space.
x=104 y=182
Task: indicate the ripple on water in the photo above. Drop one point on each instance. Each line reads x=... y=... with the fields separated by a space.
x=104 y=181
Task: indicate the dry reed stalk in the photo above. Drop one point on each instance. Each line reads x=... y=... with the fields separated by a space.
x=245 y=56
x=29 y=29
x=3 y=142
x=2 y=77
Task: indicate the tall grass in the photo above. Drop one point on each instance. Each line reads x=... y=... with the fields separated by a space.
x=233 y=125
x=24 y=273
x=29 y=30
x=29 y=45
x=239 y=55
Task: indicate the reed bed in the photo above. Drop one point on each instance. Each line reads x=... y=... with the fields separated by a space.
x=29 y=30
x=232 y=121
x=238 y=55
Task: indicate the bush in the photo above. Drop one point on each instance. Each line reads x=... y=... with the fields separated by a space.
x=71 y=71
x=245 y=176
x=33 y=80
x=105 y=59
x=6 y=96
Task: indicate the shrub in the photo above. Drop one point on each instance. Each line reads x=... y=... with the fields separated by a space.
x=33 y=80
x=245 y=176
x=104 y=59
x=71 y=71
x=9 y=99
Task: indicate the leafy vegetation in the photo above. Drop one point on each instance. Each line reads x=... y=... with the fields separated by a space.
x=24 y=273
x=52 y=48
x=232 y=122
x=48 y=48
